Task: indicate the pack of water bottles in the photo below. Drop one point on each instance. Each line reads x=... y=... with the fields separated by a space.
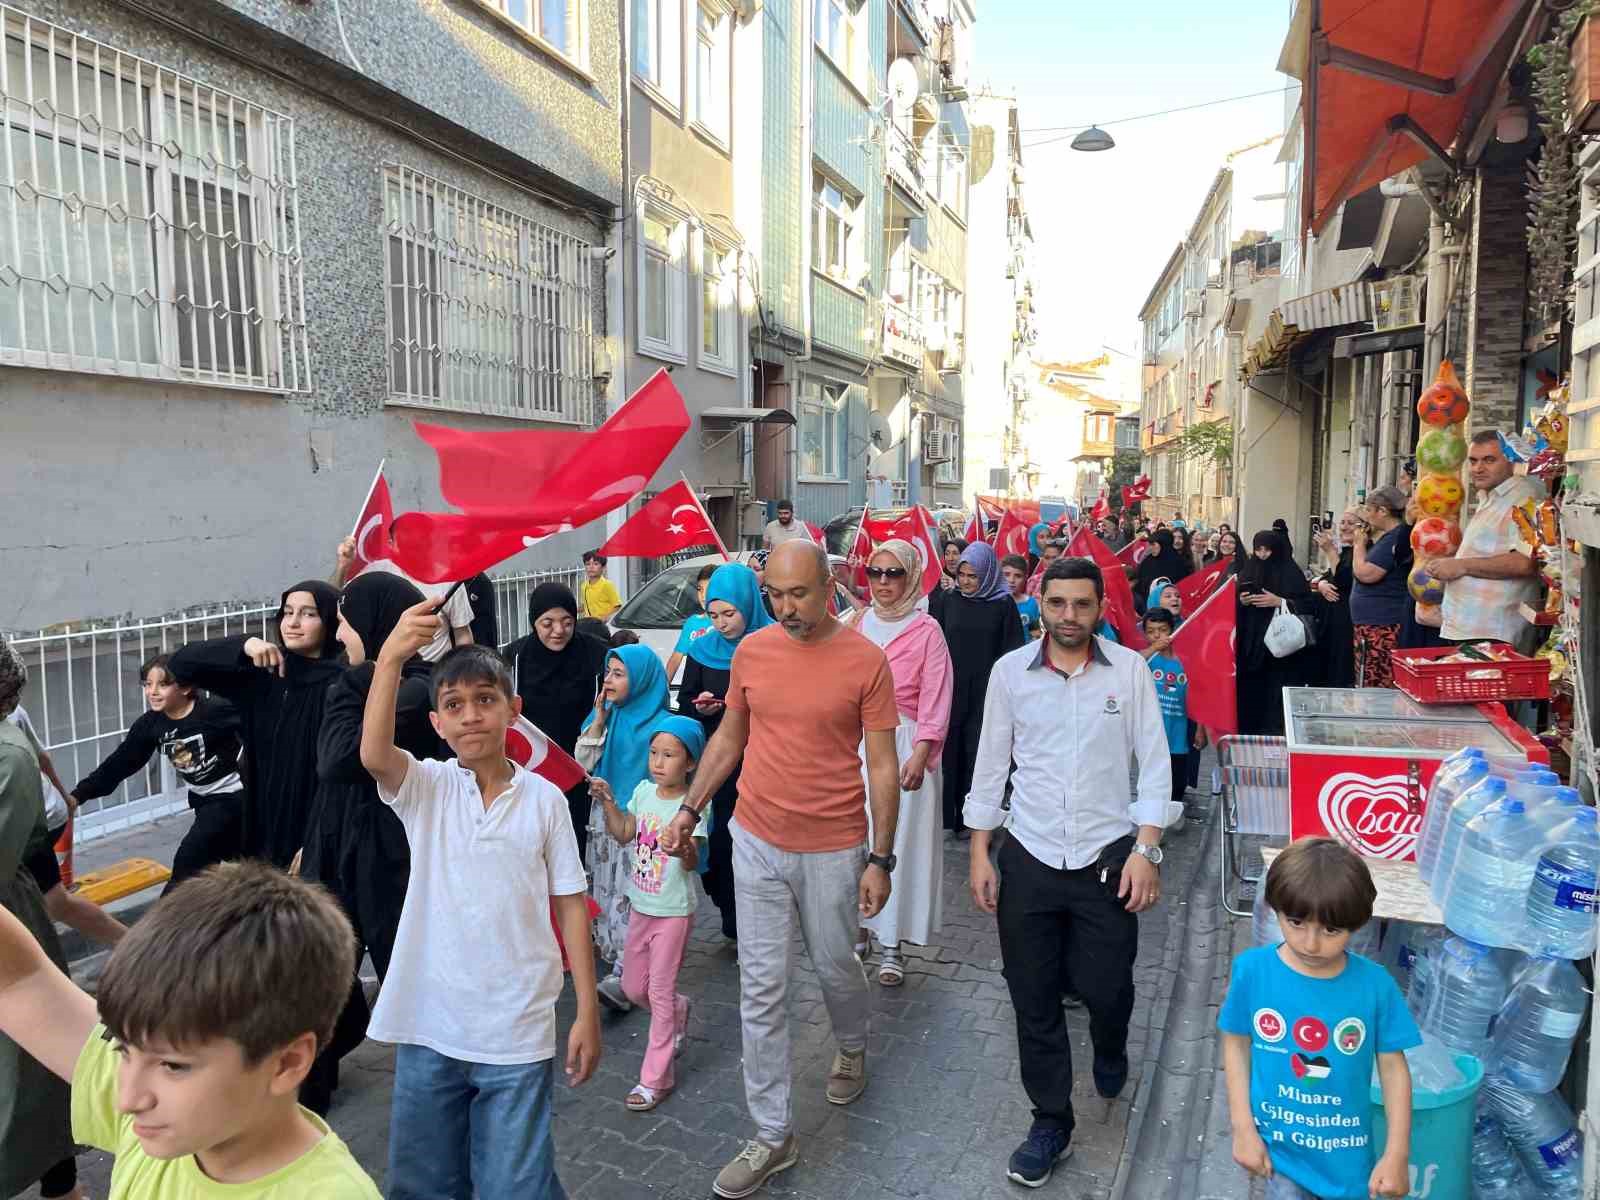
x=1542 y=1134
x=1510 y=857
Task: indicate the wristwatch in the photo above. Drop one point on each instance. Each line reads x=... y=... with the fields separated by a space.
x=886 y=861
x=1148 y=852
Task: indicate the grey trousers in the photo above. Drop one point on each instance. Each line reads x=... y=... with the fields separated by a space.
x=776 y=890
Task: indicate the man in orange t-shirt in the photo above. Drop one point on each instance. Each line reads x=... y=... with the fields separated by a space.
x=803 y=695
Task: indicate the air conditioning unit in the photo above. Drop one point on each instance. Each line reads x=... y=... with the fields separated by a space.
x=936 y=447
x=954 y=348
x=1194 y=301
x=933 y=335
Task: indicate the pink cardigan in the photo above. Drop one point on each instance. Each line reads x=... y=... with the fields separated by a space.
x=923 y=678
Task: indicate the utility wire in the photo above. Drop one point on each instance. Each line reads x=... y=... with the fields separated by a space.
x=1075 y=129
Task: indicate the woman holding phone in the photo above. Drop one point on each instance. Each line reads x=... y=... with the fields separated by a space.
x=734 y=604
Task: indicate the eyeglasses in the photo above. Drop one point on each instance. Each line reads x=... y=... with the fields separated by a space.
x=886 y=572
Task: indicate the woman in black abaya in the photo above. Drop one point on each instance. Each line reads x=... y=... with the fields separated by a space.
x=1163 y=562
x=1269 y=578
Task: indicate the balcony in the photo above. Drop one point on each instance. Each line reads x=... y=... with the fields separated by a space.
x=905 y=165
x=903 y=338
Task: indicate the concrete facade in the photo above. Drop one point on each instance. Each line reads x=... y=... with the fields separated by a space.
x=121 y=480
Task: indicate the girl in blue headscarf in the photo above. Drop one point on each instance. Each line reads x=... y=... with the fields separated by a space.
x=615 y=747
x=734 y=604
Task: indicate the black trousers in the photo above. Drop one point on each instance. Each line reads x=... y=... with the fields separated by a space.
x=214 y=837
x=1180 y=775
x=959 y=756
x=1061 y=929
x=718 y=878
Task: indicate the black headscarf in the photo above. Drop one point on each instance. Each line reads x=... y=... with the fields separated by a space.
x=557 y=687
x=373 y=604
x=1278 y=574
x=326 y=597
x=1161 y=563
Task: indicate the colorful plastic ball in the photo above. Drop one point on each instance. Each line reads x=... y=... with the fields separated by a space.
x=1434 y=537
x=1440 y=495
x=1444 y=401
x=1425 y=589
x=1441 y=451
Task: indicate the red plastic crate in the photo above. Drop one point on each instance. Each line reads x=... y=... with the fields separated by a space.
x=1429 y=682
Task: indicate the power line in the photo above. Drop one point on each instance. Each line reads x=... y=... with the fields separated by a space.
x=1074 y=129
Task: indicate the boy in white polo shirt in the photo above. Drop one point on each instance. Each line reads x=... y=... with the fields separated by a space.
x=471 y=991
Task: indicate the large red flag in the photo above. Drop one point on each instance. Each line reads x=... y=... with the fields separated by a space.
x=1204 y=644
x=1130 y=554
x=1102 y=507
x=527 y=745
x=1198 y=586
x=974 y=531
x=372 y=526
x=1012 y=535
x=1137 y=493
x=860 y=552
x=569 y=483
x=879 y=529
x=917 y=527
x=671 y=521
x=1119 y=593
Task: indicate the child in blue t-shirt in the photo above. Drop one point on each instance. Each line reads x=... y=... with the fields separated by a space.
x=1172 y=690
x=1301 y=1025
x=1014 y=570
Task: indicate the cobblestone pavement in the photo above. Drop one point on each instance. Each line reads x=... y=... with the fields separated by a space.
x=943 y=1110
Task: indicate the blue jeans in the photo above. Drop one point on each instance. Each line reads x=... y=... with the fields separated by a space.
x=458 y=1128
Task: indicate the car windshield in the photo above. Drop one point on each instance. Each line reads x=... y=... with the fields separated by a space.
x=664 y=603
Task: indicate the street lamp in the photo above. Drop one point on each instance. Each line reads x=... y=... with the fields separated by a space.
x=1093 y=138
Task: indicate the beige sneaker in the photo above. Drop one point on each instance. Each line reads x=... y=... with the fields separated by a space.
x=848 y=1078
x=753 y=1166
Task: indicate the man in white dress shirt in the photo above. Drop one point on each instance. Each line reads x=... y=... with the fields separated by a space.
x=1070 y=710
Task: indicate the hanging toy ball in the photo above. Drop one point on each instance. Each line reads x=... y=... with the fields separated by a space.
x=1434 y=537
x=1440 y=495
x=1425 y=589
x=1441 y=451
x=1444 y=401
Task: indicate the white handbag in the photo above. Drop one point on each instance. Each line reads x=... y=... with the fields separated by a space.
x=1286 y=634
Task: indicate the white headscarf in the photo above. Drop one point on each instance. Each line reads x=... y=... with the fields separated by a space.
x=910 y=558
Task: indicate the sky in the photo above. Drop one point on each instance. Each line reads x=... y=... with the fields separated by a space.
x=1104 y=224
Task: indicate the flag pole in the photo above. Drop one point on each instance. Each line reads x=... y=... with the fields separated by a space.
x=374 y=487
x=710 y=524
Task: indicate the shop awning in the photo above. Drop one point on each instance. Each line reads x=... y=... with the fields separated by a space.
x=1295 y=320
x=1387 y=85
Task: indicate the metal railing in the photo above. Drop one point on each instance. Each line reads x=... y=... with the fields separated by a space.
x=84 y=692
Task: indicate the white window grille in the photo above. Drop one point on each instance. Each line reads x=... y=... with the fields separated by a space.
x=489 y=312
x=713 y=64
x=663 y=281
x=658 y=46
x=719 y=309
x=149 y=223
x=559 y=25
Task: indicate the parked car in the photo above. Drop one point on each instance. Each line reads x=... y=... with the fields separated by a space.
x=839 y=534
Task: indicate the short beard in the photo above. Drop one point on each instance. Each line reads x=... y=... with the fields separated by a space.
x=1059 y=637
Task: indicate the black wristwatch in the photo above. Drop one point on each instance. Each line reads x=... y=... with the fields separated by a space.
x=693 y=812
x=886 y=861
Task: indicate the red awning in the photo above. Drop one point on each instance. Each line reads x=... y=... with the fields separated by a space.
x=1387 y=85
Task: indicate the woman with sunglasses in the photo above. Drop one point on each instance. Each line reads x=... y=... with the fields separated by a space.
x=919 y=661
x=980 y=622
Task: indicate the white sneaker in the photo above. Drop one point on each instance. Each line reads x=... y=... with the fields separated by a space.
x=612 y=995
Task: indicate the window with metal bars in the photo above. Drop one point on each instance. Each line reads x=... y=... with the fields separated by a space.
x=488 y=311
x=148 y=223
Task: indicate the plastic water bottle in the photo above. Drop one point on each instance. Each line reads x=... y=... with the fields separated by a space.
x=1497 y=1173
x=1459 y=772
x=1486 y=791
x=1561 y=900
x=1556 y=807
x=1462 y=990
x=1487 y=900
x=1534 y=1029
x=1540 y=1128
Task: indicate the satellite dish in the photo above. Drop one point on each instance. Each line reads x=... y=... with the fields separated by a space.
x=902 y=85
x=878 y=430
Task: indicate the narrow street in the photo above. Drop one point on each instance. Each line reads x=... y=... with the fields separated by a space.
x=945 y=1105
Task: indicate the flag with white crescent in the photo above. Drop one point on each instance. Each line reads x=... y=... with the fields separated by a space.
x=918 y=528
x=669 y=521
x=371 y=533
x=527 y=746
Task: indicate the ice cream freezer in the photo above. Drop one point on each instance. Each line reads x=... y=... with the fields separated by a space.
x=1361 y=761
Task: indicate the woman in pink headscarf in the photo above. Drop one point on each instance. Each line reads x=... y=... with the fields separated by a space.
x=898 y=623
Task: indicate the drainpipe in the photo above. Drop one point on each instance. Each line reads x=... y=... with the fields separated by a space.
x=620 y=239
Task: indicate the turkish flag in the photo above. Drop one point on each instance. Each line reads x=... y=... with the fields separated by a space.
x=671 y=521
x=879 y=529
x=528 y=747
x=1135 y=550
x=993 y=508
x=1102 y=507
x=974 y=531
x=917 y=527
x=1139 y=491
x=816 y=533
x=860 y=552
x=372 y=526
x=1012 y=535
x=1204 y=644
x=1119 y=593
x=1198 y=586
x=519 y=486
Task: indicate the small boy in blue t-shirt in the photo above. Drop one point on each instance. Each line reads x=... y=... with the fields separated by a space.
x=1172 y=690
x=1301 y=1025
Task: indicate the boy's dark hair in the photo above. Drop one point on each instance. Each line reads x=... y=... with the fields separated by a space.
x=590 y=556
x=784 y=504
x=594 y=627
x=1015 y=560
x=1074 y=568
x=1322 y=880
x=157 y=662
x=706 y=572
x=474 y=664
x=240 y=951
x=1160 y=616
x=624 y=637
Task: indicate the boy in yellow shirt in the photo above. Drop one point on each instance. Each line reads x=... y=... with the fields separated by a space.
x=211 y=1011
x=597 y=596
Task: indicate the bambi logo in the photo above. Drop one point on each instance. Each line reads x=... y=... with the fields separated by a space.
x=1372 y=815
